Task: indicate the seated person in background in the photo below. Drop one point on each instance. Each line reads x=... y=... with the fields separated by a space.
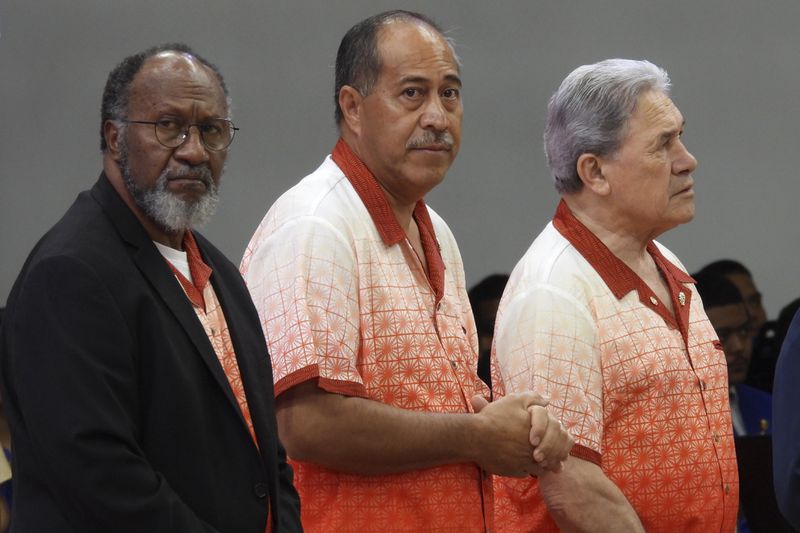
x=740 y=276
x=751 y=408
x=762 y=367
x=484 y=297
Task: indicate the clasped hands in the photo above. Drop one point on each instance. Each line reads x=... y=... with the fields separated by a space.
x=521 y=437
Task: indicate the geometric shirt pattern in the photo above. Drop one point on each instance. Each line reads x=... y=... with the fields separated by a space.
x=345 y=301
x=644 y=392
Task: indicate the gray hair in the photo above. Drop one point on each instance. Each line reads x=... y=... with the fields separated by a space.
x=590 y=110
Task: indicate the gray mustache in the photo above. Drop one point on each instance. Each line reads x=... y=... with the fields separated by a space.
x=431 y=138
x=200 y=172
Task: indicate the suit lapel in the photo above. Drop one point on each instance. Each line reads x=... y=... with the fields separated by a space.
x=251 y=352
x=155 y=269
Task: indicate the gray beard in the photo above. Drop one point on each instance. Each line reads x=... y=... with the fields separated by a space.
x=167 y=211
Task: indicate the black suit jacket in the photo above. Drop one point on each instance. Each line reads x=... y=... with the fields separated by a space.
x=121 y=416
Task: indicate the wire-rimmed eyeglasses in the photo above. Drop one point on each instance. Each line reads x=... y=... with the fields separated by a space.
x=216 y=134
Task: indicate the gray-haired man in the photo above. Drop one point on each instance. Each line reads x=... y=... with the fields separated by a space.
x=606 y=323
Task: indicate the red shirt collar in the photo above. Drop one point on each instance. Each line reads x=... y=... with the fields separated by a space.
x=619 y=277
x=200 y=271
x=374 y=199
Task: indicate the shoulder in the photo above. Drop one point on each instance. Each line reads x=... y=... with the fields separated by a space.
x=323 y=193
x=323 y=201
x=749 y=393
x=83 y=235
x=552 y=260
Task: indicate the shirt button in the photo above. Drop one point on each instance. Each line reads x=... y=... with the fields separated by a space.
x=439 y=306
x=260 y=490
x=727 y=488
x=653 y=300
x=702 y=385
x=716 y=437
x=453 y=364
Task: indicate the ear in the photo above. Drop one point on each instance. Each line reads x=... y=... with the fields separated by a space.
x=350 y=102
x=111 y=134
x=590 y=170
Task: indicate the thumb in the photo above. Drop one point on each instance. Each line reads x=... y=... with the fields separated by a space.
x=479 y=402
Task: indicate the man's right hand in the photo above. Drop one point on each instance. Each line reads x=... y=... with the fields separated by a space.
x=519 y=437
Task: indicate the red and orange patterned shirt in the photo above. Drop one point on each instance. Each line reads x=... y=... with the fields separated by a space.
x=344 y=300
x=643 y=391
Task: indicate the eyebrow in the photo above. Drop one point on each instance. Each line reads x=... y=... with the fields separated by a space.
x=452 y=78
x=667 y=135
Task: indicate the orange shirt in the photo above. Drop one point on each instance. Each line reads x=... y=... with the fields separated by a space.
x=344 y=300
x=645 y=393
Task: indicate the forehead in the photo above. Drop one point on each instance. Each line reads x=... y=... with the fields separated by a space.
x=728 y=316
x=654 y=114
x=176 y=79
x=744 y=283
x=410 y=46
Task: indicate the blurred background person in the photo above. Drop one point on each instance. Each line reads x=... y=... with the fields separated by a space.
x=762 y=331
x=751 y=408
x=484 y=297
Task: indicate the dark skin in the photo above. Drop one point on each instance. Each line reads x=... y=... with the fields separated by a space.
x=169 y=84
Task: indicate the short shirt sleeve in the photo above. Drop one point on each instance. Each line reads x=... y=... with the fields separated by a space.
x=547 y=341
x=303 y=280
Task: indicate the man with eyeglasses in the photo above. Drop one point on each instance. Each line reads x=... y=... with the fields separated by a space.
x=135 y=374
x=726 y=308
x=751 y=408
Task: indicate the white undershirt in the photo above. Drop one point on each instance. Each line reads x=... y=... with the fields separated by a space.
x=178 y=258
x=739 y=428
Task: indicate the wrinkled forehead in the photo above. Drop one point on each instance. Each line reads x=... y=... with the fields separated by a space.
x=657 y=109
x=176 y=75
x=409 y=42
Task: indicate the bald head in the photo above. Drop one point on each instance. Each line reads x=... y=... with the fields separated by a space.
x=359 y=62
x=117 y=90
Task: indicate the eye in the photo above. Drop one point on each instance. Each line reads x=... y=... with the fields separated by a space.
x=168 y=124
x=210 y=128
x=451 y=94
x=411 y=92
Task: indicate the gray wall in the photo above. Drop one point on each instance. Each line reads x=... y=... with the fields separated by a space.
x=734 y=65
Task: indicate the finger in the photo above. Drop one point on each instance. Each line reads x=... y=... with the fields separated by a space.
x=540 y=419
x=478 y=402
x=531 y=398
x=554 y=447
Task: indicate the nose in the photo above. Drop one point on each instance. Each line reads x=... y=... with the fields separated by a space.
x=192 y=150
x=684 y=162
x=434 y=115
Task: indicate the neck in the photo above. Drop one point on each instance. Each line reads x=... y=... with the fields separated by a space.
x=625 y=243
x=402 y=206
x=154 y=231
